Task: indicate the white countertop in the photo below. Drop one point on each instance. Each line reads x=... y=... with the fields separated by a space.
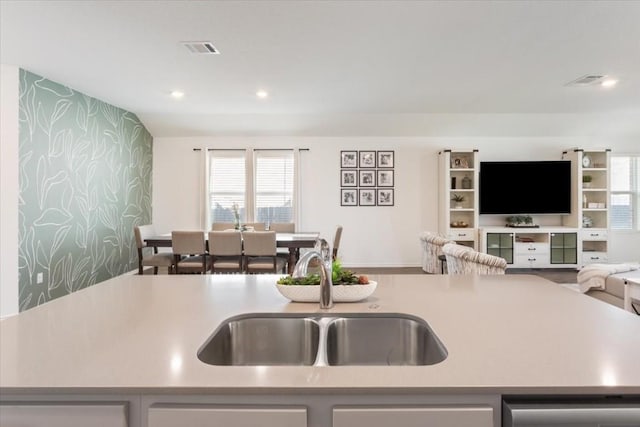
x=504 y=334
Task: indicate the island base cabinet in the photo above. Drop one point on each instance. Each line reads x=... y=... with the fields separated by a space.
x=439 y=416
x=62 y=415
x=236 y=416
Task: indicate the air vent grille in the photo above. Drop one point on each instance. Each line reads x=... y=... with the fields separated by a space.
x=201 y=48
x=587 y=80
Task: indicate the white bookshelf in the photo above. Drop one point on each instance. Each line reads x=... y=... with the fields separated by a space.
x=458 y=172
x=590 y=202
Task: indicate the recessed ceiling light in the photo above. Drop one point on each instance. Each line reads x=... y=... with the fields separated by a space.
x=177 y=94
x=262 y=94
x=609 y=83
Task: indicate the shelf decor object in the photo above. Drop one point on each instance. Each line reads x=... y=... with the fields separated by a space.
x=520 y=221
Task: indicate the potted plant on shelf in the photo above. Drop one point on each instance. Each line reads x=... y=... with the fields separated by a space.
x=520 y=221
x=586 y=181
x=457 y=199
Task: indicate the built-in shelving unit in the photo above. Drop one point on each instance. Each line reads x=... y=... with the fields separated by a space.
x=590 y=202
x=561 y=241
x=458 y=171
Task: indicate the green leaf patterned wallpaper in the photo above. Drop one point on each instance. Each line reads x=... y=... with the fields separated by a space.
x=85 y=182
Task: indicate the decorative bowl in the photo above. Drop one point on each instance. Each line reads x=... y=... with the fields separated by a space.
x=341 y=293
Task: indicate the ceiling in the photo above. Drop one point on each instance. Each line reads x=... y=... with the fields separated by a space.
x=406 y=68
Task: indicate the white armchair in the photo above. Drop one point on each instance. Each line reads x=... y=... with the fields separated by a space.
x=465 y=260
x=432 y=249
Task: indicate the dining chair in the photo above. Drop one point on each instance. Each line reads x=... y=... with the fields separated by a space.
x=222 y=226
x=260 y=252
x=148 y=256
x=225 y=248
x=282 y=227
x=190 y=252
x=256 y=226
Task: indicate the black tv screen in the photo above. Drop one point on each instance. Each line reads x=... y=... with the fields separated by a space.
x=542 y=187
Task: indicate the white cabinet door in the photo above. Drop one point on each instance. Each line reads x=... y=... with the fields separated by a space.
x=63 y=415
x=436 y=416
x=236 y=416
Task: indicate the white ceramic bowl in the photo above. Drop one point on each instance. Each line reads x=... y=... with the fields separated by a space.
x=341 y=293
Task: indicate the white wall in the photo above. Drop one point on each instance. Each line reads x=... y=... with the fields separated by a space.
x=9 y=93
x=373 y=236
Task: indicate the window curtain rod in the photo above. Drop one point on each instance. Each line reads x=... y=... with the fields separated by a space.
x=257 y=149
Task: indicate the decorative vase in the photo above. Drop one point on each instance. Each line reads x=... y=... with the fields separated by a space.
x=466 y=183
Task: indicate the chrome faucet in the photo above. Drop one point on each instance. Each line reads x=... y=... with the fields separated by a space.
x=322 y=252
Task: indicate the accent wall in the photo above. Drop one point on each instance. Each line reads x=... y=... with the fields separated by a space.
x=84 y=183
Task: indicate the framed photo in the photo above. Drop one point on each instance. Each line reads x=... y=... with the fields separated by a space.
x=367 y=178
x=367 y=159
x=385 y=178
x=459 y=163
x=348 y=159
x=385 y=196
x=368 y=197
x=348 y=178
x=348 y=197
x=385 y=159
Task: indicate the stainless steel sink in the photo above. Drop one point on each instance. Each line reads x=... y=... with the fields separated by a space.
x=382 y=340
x=263 y=340
x=321 y=340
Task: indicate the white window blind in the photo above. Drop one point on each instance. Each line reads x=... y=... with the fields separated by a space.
x=625 y=192
x=227 y=184
x=274 y=186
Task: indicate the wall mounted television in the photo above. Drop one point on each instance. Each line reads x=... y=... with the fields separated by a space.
x=525 y=187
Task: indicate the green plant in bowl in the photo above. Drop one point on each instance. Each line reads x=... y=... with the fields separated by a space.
x=339 y=276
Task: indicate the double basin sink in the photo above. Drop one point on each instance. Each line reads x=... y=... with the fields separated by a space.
x=323 y=340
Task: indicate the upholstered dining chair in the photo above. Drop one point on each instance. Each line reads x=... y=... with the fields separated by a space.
x=432 y=261
x=222 y=226
x=255 y=226
x=260 y=252
x=282 y=227
x=464 y=260
x=149 y=256
x=225 y=248
x=190 y=252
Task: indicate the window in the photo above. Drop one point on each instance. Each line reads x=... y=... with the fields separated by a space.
x=625 y=192
x=227 y=184
x=263 y=193
x=274 y=186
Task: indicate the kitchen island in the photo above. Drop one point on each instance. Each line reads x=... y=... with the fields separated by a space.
x=127 y=348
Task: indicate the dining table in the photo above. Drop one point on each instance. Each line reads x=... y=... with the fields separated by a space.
x=292 y=241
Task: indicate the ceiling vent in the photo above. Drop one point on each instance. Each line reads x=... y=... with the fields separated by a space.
x=201 y=48
x=587 y=80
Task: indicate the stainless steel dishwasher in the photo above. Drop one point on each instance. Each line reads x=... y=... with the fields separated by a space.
x=615 y=411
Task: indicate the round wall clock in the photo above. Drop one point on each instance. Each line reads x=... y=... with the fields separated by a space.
x=586 y=161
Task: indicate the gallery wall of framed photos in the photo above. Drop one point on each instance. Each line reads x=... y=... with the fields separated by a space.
x=367 y=178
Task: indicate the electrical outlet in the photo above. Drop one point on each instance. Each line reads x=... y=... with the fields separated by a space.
x=40 y=278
